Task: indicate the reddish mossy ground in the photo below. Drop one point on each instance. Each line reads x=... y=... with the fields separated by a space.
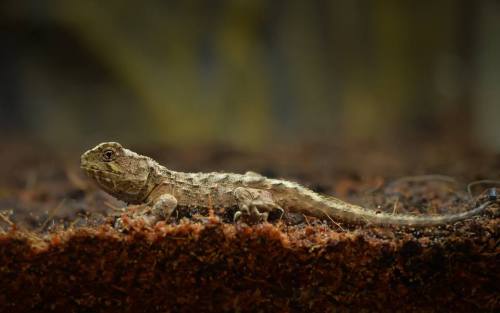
x=59 y=251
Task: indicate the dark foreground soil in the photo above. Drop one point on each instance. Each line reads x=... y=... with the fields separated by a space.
x=59 y=251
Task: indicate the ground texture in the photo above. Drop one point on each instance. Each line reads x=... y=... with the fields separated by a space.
x=59 y=251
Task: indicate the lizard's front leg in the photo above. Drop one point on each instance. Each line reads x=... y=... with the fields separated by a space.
x=250 y=201
x=164 y=206
x=161 y=207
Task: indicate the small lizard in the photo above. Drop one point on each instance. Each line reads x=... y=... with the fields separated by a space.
x=138 y=179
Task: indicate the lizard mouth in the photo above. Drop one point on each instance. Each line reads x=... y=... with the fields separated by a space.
x=98 y=171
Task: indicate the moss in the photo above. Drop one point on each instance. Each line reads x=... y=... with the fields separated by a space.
x=215 y=266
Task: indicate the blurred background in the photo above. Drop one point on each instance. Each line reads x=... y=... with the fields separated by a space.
x=249 y=72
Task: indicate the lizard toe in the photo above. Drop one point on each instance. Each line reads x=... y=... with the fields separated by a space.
x=237 y=216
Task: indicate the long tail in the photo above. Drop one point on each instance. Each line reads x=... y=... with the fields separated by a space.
x=357 y=213
x=309 y=202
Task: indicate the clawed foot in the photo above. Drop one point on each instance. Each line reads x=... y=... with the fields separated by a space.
x=254 y=216
x=250 y=215
x=250 y=201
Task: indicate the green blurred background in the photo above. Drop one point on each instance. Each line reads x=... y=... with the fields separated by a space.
x=250 y=73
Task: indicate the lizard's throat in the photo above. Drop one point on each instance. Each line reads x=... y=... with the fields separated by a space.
x=130 y=190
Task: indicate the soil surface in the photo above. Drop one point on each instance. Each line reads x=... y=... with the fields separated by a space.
x=59 y=251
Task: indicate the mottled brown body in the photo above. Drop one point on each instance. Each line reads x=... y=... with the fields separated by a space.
x=135 y=179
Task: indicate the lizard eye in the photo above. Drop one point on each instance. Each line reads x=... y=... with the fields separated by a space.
x=108 y=155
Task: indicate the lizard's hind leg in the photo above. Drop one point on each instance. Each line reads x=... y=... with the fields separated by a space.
x=252 y=201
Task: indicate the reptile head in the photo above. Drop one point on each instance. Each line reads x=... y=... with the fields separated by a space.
x=118 y=171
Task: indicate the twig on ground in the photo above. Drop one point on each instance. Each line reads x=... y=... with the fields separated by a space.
x=51 y=214
x=395 y=207
x=423 y=178
x=6 y=219
x=307 y=220
x=331 y=219
x=480 y=182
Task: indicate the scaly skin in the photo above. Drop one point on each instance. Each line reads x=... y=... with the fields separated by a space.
x=138 y=179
